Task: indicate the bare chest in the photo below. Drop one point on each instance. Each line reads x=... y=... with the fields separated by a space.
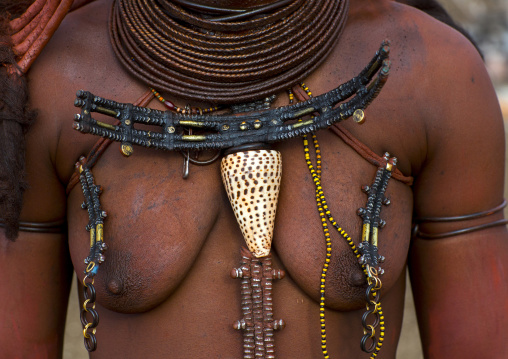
x=160 y=226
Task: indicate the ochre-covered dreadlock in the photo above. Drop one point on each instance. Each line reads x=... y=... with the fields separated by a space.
x=15 y=119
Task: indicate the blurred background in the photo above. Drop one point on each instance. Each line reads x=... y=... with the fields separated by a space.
x=487 y=22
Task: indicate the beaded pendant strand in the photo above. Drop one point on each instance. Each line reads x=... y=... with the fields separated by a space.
x=365 y=253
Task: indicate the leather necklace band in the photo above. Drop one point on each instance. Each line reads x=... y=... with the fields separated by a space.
x=223 y=131
x=224 y=62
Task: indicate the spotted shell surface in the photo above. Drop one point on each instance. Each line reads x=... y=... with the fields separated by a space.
x=252 y=182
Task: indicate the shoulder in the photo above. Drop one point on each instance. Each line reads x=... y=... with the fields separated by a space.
x=75 y=49
x=79 y=56
x=435 y=46
x=439 y=103
x=457 y=106
x=453 y=85
x=451 y=88
x=430 y=60
x=440 y=51
x=435 y=72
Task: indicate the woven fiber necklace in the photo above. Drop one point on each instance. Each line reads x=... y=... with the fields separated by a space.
x=212 y=58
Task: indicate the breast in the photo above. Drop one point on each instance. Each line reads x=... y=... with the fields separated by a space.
x=299 y=238
x=156 y=226
x=160 y=225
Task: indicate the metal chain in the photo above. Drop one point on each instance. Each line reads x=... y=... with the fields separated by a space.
x=89 y=316
x=88 y=309
x=373 y=316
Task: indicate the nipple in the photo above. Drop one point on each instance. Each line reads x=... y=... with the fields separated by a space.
x=357 y=278
x=115 y=286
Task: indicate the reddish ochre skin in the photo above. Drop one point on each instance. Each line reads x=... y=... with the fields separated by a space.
x=165 y=290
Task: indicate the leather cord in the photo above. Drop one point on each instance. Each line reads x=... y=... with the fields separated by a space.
x=363 y=150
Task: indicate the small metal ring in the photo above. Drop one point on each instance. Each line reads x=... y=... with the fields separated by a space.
x=85 y=308
x=365 y=316
x=377 y=308
x=84 y=305
x=372 y=271
x=90 y=267
x=85 y=330
x=363 y=343
x=201 y=163
x=85 y=278
x=90 y=342
x=89 y=292
x=84 y=321
x=376 y=305
x=378 y=283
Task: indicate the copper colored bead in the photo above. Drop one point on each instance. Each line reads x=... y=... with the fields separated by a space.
x=236 y=273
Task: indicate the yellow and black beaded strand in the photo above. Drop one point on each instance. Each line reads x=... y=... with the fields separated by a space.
x=372 y=294
x=321 y=203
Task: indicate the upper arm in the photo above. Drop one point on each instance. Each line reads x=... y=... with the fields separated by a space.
x=35 y=281
x=460 y=282
x=35 y=270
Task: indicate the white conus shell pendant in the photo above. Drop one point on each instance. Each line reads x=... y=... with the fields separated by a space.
x=252 y=182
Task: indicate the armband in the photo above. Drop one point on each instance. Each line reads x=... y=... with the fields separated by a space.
x=41 y=227
x=466 y=217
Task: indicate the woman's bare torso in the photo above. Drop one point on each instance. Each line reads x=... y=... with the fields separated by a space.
x=165 y=288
